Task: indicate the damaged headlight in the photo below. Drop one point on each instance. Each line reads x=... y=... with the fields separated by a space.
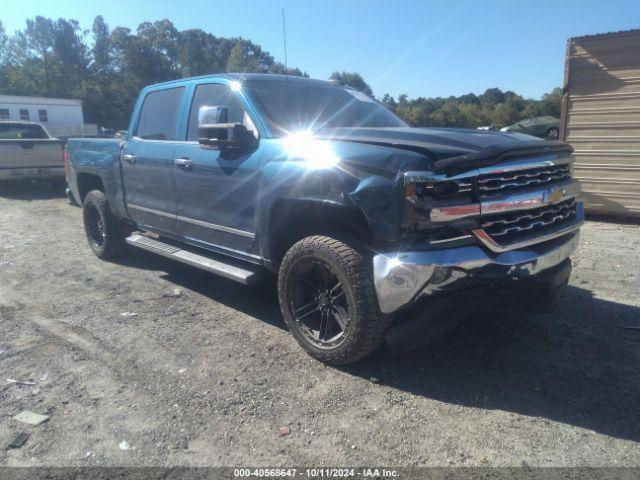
x=445 y=205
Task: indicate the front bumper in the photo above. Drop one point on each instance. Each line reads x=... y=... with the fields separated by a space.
x=401 y=278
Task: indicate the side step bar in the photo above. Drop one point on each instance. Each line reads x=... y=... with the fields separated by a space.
x=242 y=275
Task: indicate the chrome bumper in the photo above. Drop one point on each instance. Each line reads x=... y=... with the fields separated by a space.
x=400 y=278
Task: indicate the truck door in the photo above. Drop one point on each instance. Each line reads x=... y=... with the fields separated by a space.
x=147 y=161
x=216 y=192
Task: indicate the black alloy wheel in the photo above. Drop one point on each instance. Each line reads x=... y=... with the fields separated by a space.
x=328 y=300
x=319 y=303
x=94 y=224
x=105 y=232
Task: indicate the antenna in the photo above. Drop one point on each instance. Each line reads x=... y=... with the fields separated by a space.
x=284 y=38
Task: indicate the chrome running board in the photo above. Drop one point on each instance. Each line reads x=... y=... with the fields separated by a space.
x=244 y=275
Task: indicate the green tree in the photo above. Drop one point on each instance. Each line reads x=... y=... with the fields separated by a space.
x=200 y=53
x=353 y=80
x=245 y=56
x=280 y=69
x=492 y=96
x=39 y=38
x=493 y=107
x=52 y=58
x=101 y=46
x=4 y=43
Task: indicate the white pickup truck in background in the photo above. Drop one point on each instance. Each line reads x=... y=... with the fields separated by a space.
x=27 y=150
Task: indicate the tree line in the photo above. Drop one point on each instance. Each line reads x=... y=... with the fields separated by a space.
x=106 y=68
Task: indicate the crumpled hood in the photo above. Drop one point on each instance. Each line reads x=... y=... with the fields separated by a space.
x=448 y=147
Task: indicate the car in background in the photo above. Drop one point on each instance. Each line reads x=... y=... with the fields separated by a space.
x=28 y=151
x=544 y=127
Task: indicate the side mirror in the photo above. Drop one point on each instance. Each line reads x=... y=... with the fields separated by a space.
x=214 y=131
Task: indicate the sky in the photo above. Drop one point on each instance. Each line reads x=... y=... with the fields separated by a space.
x=419 y=47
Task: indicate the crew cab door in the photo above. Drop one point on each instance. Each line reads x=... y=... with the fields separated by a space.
x=216 y=191
x=147 y=160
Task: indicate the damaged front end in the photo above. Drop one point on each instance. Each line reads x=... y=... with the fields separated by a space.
x=494 y=228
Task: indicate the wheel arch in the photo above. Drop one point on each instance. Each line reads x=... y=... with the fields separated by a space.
x=87 y=182
x=292 y=220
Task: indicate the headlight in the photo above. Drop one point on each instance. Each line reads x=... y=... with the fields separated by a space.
x=435 y=190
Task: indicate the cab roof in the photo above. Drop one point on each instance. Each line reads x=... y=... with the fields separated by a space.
x=248 y=76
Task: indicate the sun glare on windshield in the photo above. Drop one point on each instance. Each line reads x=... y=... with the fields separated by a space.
x=316 y=154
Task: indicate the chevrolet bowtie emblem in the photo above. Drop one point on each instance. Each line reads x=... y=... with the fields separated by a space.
x=556 y=195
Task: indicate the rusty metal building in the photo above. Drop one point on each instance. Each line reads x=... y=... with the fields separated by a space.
x=601 y=119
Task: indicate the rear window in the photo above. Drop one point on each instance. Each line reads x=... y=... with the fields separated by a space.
x=159 y=115
x=21 y=132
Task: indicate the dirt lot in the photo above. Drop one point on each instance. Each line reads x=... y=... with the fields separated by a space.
x=205 y=373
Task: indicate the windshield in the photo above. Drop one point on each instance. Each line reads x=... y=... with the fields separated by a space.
x=297 y=105
x=12 y=131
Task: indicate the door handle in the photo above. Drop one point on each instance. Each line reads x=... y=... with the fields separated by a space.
x=184 y=162
x=127 y=157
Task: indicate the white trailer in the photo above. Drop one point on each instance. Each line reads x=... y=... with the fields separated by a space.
x=62 y=117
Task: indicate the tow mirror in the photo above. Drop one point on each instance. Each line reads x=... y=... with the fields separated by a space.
x=214 y=130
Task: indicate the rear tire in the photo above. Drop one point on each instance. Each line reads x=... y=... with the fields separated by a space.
x=328 y=300
x=105 y=233
x=553 y=133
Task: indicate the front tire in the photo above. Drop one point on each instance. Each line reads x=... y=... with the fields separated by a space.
x=328 y=301
x=553 y=133
x=105 y=233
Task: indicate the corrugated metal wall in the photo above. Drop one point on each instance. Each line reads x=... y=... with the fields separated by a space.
x=601 y=119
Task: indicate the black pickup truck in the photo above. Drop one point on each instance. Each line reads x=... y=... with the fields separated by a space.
x=376 y=231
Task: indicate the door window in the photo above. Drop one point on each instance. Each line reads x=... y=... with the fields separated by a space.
x=159 y=115
x=214 y=95
x=24 y=114
x=42 y=115
x=4 y=114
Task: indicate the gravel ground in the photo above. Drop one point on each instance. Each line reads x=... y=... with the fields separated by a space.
x=206 y=373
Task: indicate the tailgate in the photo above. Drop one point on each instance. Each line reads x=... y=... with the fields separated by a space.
x=30 y=153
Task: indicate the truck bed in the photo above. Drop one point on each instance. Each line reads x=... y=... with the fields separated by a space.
x=99 y=157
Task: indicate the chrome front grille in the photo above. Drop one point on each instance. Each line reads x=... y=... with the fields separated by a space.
x=510 y=227
x=520 y=179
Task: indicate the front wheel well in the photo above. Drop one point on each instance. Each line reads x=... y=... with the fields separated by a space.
x=88 y=182
x=293 y=220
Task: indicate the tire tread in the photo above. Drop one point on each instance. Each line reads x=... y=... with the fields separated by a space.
x=372 y=323
x=115 y=244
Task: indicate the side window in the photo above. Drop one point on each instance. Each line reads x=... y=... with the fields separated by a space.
x=215 y=95
x=42 y=115
x=4 y=114
x=159 y=115
x=24 y=114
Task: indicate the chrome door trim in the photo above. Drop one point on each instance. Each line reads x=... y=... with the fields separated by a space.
x=151 y=210
x=193 y=221
x=223 y=250
x=213 y=226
